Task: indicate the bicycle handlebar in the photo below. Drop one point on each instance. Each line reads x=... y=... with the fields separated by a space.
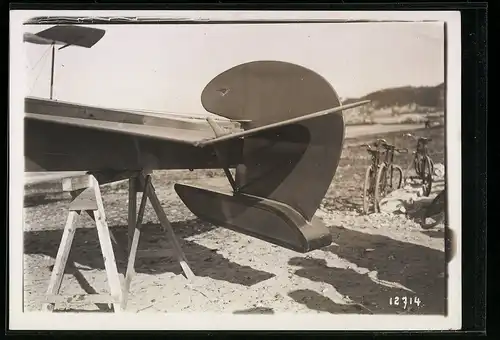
x=383 y=143
x=417 y=138
x=370 y=147
x=388 y=146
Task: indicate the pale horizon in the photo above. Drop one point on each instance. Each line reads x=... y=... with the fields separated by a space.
x=165 y=67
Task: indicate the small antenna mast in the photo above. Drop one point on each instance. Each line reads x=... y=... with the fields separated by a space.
x=52 y=70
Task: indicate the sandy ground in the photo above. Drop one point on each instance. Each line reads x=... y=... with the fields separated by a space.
x=374 y=259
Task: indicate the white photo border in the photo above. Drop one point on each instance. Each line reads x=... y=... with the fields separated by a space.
x=19 y=320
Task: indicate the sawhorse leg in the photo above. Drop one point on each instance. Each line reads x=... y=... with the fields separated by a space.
x=132 y=207
x=148 y=192
x=61 y=260
x=133 y=247
x=167 y=227
x=87 y=197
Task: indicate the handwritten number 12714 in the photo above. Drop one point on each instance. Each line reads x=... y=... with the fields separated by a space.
x=404 y=301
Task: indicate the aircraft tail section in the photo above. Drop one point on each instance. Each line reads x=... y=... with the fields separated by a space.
x=292 y=144
x=262 y=218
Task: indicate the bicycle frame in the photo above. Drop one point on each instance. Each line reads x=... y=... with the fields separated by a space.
x=421 y=161
x=420 y=154
x=375 y=163
x=371 y=173
x=389 y=158
x=375 y=154
x=389 y=165
x=376 y=174
x=422 y=147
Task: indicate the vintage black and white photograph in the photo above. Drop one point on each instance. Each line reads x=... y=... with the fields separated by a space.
x=288 y=164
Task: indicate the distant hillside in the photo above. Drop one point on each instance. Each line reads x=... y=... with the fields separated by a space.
x=389 y=104
x=424 y=96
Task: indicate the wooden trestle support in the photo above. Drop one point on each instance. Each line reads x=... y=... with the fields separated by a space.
x=86 y=197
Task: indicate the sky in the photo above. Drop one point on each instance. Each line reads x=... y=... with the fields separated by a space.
x=166 y=67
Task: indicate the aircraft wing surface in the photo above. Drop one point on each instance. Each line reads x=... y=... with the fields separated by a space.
x=172 y=134
x=31 y=178
x=194 y=131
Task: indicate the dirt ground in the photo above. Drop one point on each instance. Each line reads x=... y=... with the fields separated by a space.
x=373 y=259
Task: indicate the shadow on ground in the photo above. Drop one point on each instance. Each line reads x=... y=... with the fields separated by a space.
x=316 y=301
x=415 y=267
x=203 y=261
x=434 y=233
x=38 y=199
x=255 y=310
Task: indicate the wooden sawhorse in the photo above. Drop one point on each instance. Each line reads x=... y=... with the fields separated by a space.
x=86 y=196
x=134 y=228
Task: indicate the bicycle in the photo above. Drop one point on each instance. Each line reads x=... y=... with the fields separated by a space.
x=422 y=163
x=385 y=174
x=371 y=173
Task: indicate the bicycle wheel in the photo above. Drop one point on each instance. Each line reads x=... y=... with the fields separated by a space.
x=426 y=176
x=396 y=177
x=368 y=189
x=417 y=161
x=380 y=185
x=432 y=165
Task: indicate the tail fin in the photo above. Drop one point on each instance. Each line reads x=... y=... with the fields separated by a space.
x=290 y=165
x=295 y=163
